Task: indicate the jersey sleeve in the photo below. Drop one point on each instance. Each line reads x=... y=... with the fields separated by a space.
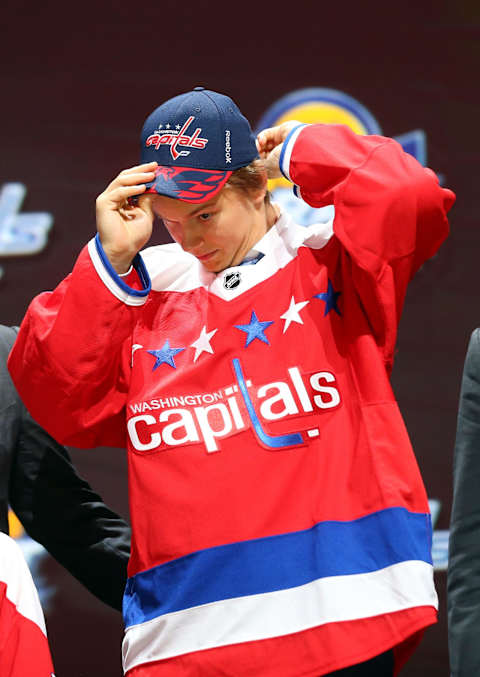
x=390 y=212
x=72 y=355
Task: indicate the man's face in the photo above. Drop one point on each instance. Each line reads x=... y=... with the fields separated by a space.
x=220 y=232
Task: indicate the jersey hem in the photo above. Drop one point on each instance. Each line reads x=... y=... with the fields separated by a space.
x=429 y=618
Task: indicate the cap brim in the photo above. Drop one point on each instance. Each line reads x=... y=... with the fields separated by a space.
x=187 y=183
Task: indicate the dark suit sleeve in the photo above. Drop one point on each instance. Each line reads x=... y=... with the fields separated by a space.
x=61 y=511
x=463 y=577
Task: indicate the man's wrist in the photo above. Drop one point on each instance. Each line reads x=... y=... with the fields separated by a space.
x=121 y=263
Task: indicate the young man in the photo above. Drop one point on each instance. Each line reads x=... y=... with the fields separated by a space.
x=280 y=524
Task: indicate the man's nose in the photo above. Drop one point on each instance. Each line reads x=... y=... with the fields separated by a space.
x=192 y=237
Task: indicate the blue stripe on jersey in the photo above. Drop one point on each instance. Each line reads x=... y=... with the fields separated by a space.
x=279 y=562
x=285 y=146
x=137 y=263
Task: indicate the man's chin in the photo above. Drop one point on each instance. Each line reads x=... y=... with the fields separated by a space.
x=215 y=264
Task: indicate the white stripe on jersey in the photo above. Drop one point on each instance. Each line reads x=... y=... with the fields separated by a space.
x=395 y=588
x=21 y=590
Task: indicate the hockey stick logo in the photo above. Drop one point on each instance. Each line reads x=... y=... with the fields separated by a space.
x=271 y=441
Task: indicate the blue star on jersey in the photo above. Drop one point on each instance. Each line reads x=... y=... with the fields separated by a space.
x=330 y=297
x=254 y=329
x=165 y=355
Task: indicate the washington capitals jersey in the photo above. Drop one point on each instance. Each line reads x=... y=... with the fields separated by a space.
x=280 y=524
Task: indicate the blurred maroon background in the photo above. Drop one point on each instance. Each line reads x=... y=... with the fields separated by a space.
x=78 y=80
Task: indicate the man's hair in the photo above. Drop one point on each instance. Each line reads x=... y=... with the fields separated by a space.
x=249 y=179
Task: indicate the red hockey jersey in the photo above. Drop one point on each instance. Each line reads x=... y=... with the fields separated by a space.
x=24 y=649
x=280 y=523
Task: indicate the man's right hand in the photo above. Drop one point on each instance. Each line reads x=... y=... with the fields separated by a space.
x=125 y=228
x=270 y=143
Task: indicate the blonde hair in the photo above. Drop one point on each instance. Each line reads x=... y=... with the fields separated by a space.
x=249 y=179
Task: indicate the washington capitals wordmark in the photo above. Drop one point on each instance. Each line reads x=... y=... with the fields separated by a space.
x=177 y=137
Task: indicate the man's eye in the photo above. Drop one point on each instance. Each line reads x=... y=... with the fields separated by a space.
x=204 y=217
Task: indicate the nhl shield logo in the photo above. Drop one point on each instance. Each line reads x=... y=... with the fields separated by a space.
x=231 y=280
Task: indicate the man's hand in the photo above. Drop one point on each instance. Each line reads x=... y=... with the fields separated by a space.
x=125 y=228
x=269 y=145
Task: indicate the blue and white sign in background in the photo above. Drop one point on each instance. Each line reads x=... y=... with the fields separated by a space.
x=21 y=234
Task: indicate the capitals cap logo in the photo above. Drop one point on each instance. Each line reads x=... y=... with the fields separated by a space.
x=177 y=137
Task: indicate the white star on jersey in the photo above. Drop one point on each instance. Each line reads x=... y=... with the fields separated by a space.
x=202 y=344
x=293 y=313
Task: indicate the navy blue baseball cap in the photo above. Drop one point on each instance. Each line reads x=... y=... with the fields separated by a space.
x=198 y=139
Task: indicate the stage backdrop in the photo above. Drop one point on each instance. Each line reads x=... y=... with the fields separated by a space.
x=77 y=83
